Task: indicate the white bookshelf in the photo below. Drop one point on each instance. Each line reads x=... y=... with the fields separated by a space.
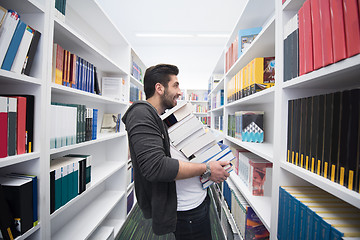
x=104 y=203
x=335 y=77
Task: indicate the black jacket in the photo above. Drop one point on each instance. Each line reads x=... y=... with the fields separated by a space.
x=154 y=169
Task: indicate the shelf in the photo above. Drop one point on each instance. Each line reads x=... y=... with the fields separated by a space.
x=264 y=150
x=335 y=189
x=8 y=77
x=262 y=46
x=101 y=138
x=219 y=86
x=23 y=6
x=68 y=91
x=116 y=223
x=263 y=97
x=136 y=82
x=292 y=5
x=18 y=159
x=29 y=232
x=260 y=204
x=217 y=109
x=99 y=174
x=339 y=75
x=251 y=16
x=95 y=17
x=70 y=40
x=90 y=218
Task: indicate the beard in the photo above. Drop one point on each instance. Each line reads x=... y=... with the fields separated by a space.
x=168 y=101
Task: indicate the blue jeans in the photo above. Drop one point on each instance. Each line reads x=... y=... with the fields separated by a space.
x=195 y=223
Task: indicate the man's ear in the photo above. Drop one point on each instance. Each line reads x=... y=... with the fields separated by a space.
x=159 y=88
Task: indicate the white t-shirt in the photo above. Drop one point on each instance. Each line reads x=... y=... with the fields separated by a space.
x=190 y=193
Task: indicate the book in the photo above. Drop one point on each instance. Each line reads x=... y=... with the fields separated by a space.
x=3 y=127
x=13 y=46
x=113 y=88
x=57 y=67
x=7 y=31
x=110 y=123
x=301 y=41
x=352 y=30
x=263 y=72
x=326 y=33
x=177 y=113
x=317 y=39
x=338 y=30
x=21 y=125
x=185 y=130
x=308 y=46
x=246 y=37
x=251 y=125
x=12 y=123
x=31 y=53
x=198 y=143
x=19 y=195
x=22 y=51
x=260 y=177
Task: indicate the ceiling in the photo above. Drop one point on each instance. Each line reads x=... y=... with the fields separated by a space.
x=185 y=21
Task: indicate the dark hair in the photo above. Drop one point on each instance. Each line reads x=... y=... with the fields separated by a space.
x=158 y=74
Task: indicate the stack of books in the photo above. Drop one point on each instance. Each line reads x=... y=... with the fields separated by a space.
x=196 y=142
x=18 y=43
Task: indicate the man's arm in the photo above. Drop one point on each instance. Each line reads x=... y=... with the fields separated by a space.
x=188 y=170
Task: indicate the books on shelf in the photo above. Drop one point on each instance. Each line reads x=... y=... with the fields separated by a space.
x=18 y=43
x=323 y=136
x=73 y=71
x=218 y=122
x=307 y=212
x=69 y=176
x=257 y=75
x=135 y=93
x=218 y=99
x=17 y=121
x=111 y=123
x=71 y=124
x=247 y=126
x=231 y=54
x=136 y=71
x=328 y=31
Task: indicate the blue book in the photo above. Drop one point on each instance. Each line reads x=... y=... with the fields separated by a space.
x=14 y=45
x=280 y=213
x=303 y=221
x=246 y=36
x=321 y=228
x=94 y=127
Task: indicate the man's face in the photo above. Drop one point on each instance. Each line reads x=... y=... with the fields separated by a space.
x=171 y=93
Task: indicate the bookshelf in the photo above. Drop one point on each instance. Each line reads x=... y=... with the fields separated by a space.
x=104 y=203
x=338 y=76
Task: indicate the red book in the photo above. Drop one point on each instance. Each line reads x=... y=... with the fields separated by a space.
x=308 y=47
x=352 y=27
x=21 y=125
x=3 y=127
x=316 y=33
x=327 y=50
x=301 y=42
x=283 y=1
x=64 y=75
x=338 y=30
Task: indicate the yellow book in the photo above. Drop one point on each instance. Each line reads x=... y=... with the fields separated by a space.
x=343 y=222
x=243 y=71
x=240 y=83
x=264 y=73
x=349 y=231
x=339 y=215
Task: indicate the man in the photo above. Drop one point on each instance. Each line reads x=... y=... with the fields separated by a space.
x=155 y=171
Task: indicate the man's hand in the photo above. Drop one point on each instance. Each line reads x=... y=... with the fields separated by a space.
x=218 y=173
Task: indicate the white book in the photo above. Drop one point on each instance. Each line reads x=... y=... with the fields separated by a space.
x=198 y=143
x=175 y=115
x=6 y=33
x=190 y=138
x=22 y=51
x=227 y=168
x=172 y=110
x=111 y=87
x=206 y=154
x=178 y=124
x=186 y=131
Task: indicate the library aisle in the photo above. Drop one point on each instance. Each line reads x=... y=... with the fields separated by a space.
x=281 y=102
